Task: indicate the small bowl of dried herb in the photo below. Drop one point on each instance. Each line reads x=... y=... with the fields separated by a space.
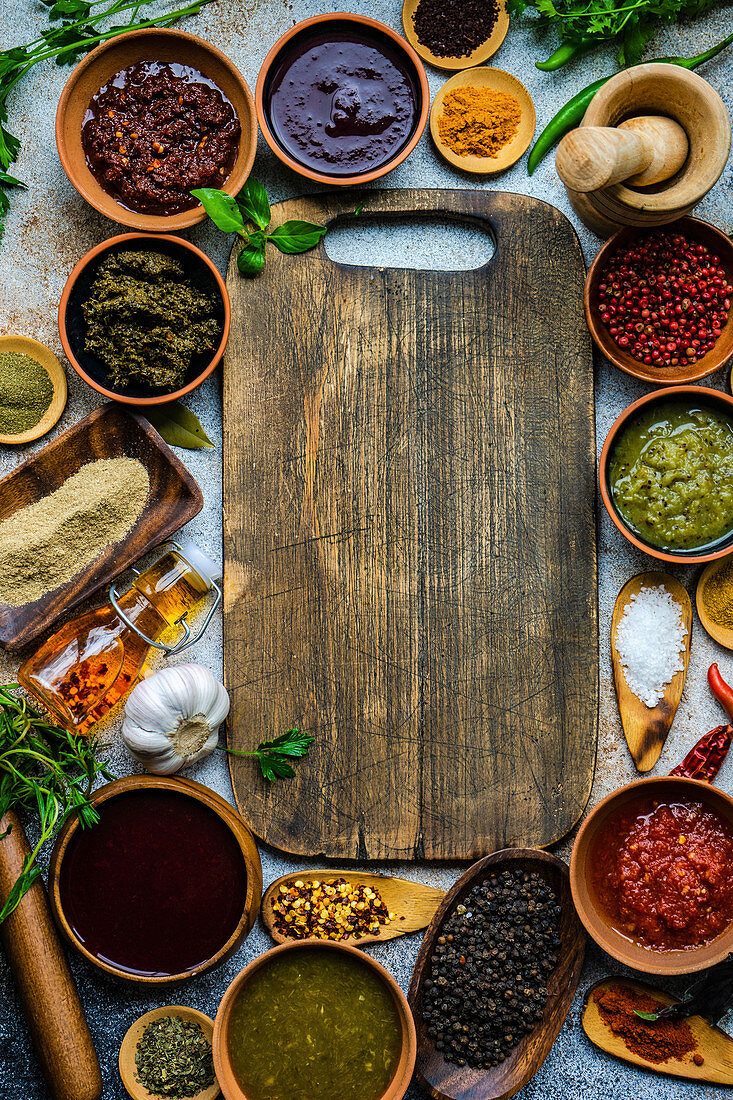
x=32 y=389
x=167 y=1052
x=144 y=318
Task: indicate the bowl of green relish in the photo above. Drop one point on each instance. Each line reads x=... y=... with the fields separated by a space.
x=666 y=474
x=314 y=1018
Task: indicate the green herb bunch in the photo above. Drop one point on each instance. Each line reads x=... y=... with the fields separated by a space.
x=583 y=24
x=76 y=26
x=43 y=769
x=252 y=208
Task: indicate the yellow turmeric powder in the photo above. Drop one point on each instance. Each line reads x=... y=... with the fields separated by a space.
x=478 y=121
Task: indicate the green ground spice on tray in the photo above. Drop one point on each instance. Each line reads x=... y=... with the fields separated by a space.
x=146 y=321
x=26 y=391
x=173 y=1058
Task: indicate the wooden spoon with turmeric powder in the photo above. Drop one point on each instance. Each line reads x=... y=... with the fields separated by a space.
x=693 y=1048
x=353 y=907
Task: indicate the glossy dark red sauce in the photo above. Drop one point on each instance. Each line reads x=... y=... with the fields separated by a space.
x=663 y=871
x=341 y=102
x=155 y=132
x=157 y=887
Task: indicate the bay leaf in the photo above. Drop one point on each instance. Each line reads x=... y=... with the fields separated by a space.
x=178 y=426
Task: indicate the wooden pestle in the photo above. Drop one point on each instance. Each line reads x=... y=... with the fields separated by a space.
x=44 y=982
x=640 y=152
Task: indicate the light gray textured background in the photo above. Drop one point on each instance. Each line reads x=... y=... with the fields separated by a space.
x=50 y=228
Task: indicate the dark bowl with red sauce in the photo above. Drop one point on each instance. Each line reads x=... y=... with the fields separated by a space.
x=650 y=875
x=164 y=887
x=342 y=99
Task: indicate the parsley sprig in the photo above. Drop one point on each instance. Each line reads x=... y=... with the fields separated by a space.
x=76 y=26
x=46 y=770
x=273 y=756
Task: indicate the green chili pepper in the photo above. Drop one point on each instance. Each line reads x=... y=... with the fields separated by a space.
x=571 y=115
x=567 y=51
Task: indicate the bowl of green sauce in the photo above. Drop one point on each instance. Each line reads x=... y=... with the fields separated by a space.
x=144 y=318
x=311 y=1019
x=666 y=474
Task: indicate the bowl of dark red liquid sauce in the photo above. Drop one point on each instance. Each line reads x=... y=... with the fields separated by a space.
x=149 y=116
x=650 y=875
x=342 y=99
x=163 y=887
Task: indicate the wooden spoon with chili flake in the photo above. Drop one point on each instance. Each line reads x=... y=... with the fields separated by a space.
x=715 y=1047
x=412 y=903
x=646 y=728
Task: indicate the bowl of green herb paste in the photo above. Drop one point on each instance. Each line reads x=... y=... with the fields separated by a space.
x=666 y=474
x=144 y=318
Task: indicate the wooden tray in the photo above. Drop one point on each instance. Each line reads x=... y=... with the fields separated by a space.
x=108 y=432
x=410 y=555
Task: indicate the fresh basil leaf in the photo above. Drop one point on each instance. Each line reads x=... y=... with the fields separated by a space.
x=297 y=236
x=647 y=1015
x=251 y=258
x=221 y=208
x=178 y=426
x=254 y=203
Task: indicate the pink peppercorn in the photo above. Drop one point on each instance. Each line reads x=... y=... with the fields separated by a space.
x=671 y=290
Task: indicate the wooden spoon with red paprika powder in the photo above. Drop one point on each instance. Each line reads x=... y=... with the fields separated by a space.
x=694 y=1048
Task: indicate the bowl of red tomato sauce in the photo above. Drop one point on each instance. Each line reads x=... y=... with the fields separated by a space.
x=651 y=875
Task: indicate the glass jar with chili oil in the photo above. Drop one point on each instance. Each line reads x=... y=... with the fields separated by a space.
x=96 y=659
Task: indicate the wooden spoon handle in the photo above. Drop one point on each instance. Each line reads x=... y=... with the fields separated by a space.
x=593 y=157
x=44 y=982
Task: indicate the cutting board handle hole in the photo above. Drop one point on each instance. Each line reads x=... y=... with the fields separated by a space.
x=422 y=242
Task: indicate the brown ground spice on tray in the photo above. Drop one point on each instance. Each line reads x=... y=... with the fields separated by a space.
x=45 y=544
x=717 y=596
x=656 y=1041
x=477 y=121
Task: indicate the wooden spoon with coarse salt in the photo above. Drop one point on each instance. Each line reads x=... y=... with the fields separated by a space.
x=646 y=728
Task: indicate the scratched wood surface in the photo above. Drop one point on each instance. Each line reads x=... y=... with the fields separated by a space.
x=409 y=530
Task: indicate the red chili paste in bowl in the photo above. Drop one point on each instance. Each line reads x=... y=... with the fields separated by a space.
x=662 y=870
x=155 y=132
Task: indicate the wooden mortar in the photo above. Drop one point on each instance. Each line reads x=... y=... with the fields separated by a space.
x=631 y=168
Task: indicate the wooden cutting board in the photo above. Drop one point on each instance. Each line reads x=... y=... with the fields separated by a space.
x=410 y=554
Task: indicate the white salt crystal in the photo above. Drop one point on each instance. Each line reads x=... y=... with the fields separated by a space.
x=650 y=642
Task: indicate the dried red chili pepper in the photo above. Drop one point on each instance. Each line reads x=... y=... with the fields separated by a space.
x=723 y=692
x=704 y=759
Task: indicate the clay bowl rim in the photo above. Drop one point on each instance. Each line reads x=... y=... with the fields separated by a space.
x=359 y=21
x=27 y=345
x=226 y=813
x=492 y=1078
x=700 y=394
x=598 y=925
x=222 y=1061
x=154 y=238
x=712 y=361
x=126 y=1056
x=79 y=175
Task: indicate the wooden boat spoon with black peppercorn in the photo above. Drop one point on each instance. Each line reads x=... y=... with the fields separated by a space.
x=409 y=906
x=714 y=1049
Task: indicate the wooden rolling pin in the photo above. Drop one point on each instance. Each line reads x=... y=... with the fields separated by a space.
x=44 y=982
x=639 y=152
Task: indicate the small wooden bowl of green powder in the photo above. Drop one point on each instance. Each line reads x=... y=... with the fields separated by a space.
x=32 y=389
x=167 y=1052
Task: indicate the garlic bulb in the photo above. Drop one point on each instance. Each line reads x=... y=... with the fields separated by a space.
x=172 y=718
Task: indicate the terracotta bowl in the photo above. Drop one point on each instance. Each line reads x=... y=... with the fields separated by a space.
x=698 y=231
x=598 y=923
x=72 y=327
x=222 y=1062
x=355 y=22
x=223 y=810
x=698 y=395
x=95 y=70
